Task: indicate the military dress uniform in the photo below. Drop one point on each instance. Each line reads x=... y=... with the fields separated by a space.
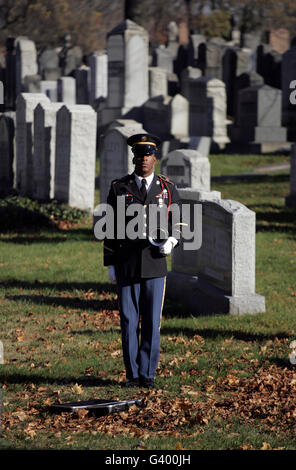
x=140 y=274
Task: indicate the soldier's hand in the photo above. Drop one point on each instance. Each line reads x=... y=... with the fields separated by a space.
x=111 y=274
x=166 y=248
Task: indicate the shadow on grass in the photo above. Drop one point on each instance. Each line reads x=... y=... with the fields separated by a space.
x=252 y=178
x=215 y=333
x=55 y=235
x=66 y=302
x=99 y=287
x=40 y=379
x=276 y=218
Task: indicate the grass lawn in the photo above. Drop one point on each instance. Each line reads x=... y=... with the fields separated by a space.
x=223 y=382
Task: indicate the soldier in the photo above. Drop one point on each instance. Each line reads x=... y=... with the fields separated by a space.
x=139 y=265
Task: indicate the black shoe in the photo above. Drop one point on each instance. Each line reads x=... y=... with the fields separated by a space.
x=147 y=383
x=131 y=383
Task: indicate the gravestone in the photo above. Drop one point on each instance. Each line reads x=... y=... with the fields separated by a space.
x=245 y=80
x=195 y=41
x=50 y=89
x=251 y=40
x=158 y=82
x=25 y=105
x=288 y=108
x=166 y=117
x=201 y=144
x=67 y=90
x=186 y=75
x=10 y=74
x=70 y=57
x=127 y=49
x=26 y=61
x=98 y=76
x=187 y=168
x=48 y=62
x=6 y=154
x=214 y=52
x=163 y=58
x=259 y=118
x=220 y=276
x=235 y=61
x=75 y=156
x=269 y=65
x=32 y=84
x=116 y=156
x=44 y=149
x=173 y=38
x=291 y=199
x=82 y=78
x=207 y=107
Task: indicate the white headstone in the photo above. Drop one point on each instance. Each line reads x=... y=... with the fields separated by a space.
x=116 y=157
x=44 y=149
x=67 y=90
x=158 y=82
x=187 y=168
x=76 y=128
x=166 y=117
x=127 y=49
x=220 y=276
x=26 y=61
x=25 y=105
x=99 y=76
x=50 y=89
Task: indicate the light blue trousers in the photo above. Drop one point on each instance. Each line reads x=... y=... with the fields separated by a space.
x=141 y=302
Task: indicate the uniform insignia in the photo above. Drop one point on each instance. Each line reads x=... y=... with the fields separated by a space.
x=166 y=179
x=144 y=138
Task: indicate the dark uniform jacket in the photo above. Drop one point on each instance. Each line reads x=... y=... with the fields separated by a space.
x=136 y=259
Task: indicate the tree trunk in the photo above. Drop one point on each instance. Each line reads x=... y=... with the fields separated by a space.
x=130 y=9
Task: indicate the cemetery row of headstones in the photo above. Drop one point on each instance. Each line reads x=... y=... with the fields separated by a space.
x=60 y=74
x=55 y=148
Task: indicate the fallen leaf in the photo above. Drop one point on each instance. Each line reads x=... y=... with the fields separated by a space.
x=77 y=389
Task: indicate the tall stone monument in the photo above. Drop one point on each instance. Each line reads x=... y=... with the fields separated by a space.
x=74 y=181
x=26 y=61
x=25 y=105
x=127 y=50
x=98 y=63
x=44 y=149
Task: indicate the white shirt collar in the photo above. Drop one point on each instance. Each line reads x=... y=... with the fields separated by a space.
x=148 y=179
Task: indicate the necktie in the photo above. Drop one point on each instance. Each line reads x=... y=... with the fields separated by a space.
x=143 y=188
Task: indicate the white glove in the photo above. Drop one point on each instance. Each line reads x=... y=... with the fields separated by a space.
x=111 y=273
x=167 y=247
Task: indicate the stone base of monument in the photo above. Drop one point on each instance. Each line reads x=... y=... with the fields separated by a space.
x=258 y=139
x=290 y=200
x=200 y=298
x=258 y=147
